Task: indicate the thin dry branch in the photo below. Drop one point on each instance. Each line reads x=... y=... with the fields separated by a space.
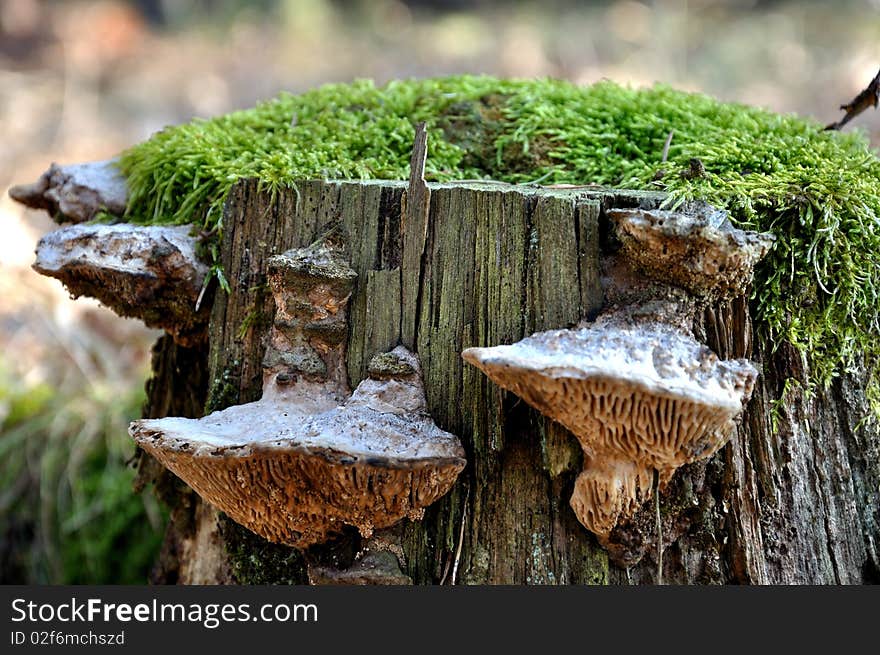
x=869 y=97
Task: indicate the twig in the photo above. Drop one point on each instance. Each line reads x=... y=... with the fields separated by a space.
x=695 y=169
x=460 y=537
x=204 y=235
x=869 y=97
x=659 y=527
x=446 y=570
x=419 y=155
x=666 y=146
x=202 y=293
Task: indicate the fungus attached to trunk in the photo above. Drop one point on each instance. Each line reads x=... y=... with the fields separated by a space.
x=147 y=272
x=640 y=394
x=309 y=458
x=698 y=250
x=76 y=193
x=379 y=568
x=640 y=397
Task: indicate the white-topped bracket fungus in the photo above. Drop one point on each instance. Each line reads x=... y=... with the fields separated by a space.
x=698 y=250
x=639 y=396
x=76 y=193
x=307 y=459
x=148 y=272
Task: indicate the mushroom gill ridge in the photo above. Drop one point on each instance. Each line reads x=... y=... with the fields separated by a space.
x=639 y=392
x=310 y=456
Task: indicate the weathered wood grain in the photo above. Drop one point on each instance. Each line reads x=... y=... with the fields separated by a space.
x=481 y=264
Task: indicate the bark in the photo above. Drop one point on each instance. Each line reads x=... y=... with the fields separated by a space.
x=191 y=552
x=794 y=497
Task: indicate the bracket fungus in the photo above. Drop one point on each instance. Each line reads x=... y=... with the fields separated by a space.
x=76 y=193
x=641 y=395
x=377 y=562
x=310 y=457
x=698 y=250
x=147 y=272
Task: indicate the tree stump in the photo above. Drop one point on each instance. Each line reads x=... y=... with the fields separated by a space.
x=793 y=498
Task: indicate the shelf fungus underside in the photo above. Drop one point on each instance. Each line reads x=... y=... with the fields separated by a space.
x=640 y=398
x=148 y=272
x=311 y=457
x=295 y=478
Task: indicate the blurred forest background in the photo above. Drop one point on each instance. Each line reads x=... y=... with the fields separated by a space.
x=82 y=79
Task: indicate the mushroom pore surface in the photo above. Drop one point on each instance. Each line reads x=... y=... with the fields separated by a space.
x=640 y=398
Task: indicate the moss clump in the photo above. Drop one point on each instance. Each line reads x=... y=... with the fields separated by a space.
x=254 y=560
x=819 y=192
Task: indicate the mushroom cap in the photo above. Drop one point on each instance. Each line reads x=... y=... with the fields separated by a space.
x=296 y=472
x=148 y=272
x=698 y=250
x=345 y=433
x=652 y=357
x=639 y=396
x=77 y=191
x=644 y=391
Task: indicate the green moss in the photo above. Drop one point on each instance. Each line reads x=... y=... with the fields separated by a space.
x=254 y=560
x=817 y=191
x=223 y=391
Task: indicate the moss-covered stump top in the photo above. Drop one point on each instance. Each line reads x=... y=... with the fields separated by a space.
x=817 y=191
